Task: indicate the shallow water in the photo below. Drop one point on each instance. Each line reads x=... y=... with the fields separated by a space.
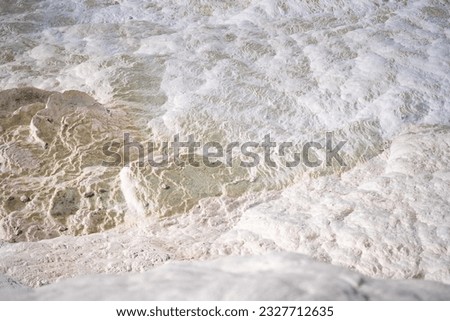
x=375 y=73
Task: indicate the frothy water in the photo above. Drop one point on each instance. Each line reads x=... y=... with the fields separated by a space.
x=375 y=73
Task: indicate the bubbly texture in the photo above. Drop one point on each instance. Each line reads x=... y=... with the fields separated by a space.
x=76 y=75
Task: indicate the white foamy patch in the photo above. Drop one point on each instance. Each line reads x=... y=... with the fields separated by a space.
x=128 y=187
